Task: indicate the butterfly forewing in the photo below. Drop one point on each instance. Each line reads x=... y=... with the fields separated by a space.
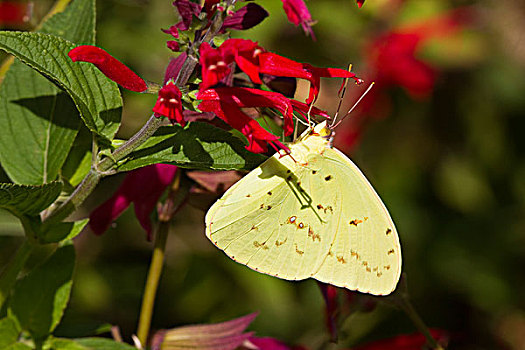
x=318 y=218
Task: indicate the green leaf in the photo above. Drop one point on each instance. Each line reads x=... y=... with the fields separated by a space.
x=9 y=331
x=34 y=110
x=62 y=231
x=199 y=145
x=96 y=97
x=86 y=344
x=39 y=299
x=18 y=346
x=28 y=200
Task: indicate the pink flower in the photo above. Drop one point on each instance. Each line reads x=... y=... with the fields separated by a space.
x=298 y=13
x=169 y=103
x=226 y=103
x=273 y=64
x=227 y=335
x=110 y=66
x=142 y=187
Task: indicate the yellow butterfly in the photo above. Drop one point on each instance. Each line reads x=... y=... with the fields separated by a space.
x=309 y=213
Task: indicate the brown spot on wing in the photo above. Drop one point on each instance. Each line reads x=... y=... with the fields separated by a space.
x=278 y=244
x=341 y=259
x=355 y=222
x=328 y=178
x=388 y=231
x=300 y=252
x=391 y=251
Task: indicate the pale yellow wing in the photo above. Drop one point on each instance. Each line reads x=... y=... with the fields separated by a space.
x=316 y=218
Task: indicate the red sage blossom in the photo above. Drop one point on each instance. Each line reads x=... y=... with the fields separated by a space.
x=169 y=103
x=110 y=66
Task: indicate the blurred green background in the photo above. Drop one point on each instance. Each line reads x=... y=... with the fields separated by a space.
x=450 y=167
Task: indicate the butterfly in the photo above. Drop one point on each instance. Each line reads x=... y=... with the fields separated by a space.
x=309 y=213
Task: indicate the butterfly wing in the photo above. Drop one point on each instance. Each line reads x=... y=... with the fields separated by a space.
x=321 y=219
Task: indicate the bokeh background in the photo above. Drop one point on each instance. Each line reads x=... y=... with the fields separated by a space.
x=441 y=137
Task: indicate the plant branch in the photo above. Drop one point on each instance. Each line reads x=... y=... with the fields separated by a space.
x=152 y=281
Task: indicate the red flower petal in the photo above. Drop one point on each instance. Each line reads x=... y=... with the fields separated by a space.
x=169 y=103
x=360 y=3
x=274 y=64
x=298 y=13
x=110 y=66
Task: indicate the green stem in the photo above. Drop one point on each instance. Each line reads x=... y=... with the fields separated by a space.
x=11 y=271
x=407 y=307
x=152 y=282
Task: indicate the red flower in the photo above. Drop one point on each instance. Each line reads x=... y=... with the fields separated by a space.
x=245 y=18
x=215 y=62
x=360 y=3
x=13 y=12
x=110 y=66
x=169 y=103
x=142 y=187
x=393 y=55
x=226 y=102
x=273 y=64
x=414 y=341
x=298 y=13
x=214 y=66
x=246 y=54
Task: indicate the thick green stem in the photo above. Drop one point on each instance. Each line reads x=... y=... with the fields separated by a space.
x=11 y=271
x=407 y=307
x=152 y=282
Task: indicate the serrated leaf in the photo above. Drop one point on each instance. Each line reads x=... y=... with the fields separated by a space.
x=198 y=146
x=9 y=332
x=39 y=299
x=96 y=97
x=62 y=231
x=34 y=110
x=86 y=344
x=28 y=200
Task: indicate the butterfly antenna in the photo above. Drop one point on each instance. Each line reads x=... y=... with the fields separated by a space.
x=341 y=93
x=332 y=126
